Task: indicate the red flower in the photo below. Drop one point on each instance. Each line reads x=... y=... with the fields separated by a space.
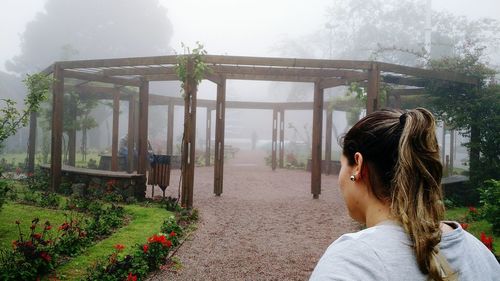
x=172 y=234
x=111 y=182
x=48 y=227
x=30 y=175
x=33 y=226
x=464 y=225
x=119 y=247
x=472 y=209
x=37 y=236
x=64 y=226
x=160 y=239
x=131 y=277
x=145 y=248
x=487 y=241
x=45 y=256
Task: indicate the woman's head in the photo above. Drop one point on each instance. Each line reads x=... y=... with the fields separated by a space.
x=400 y=166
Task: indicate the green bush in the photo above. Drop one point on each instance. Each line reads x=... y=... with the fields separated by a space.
x=4 y=189
x=490 y=198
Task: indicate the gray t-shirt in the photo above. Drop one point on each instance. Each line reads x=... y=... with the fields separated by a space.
x=384 y=252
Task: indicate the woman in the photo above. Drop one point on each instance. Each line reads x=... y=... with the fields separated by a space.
x=390 y=180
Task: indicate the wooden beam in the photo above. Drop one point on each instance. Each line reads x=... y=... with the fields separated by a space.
x=131 y=135
x=282 y=138
x=217 y=79
x=208 y=135
x=142 y=143
x=408 y=92
x=162 y=77
x=32 y=143
x=57 y=128
x=152 y=70
x=72 y=132
x=114 y=141
x=334 y=82
x=134 y=61
x=274 y=141
x=328 y=140
x=399 y=80
x=170 y=129
x=270 y=78
x=373 y=89
x=220 y=115
x=286 y=62
x=316 y=141
x=100 y=78
x=426 y=73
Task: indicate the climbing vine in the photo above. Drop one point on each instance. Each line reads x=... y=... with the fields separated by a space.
x=199 y=66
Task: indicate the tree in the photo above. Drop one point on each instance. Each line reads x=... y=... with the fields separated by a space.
x=93 y=29
x=473 y=109
x=11 y=119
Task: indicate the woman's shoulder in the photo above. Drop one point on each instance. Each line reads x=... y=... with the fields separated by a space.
x=364 y=253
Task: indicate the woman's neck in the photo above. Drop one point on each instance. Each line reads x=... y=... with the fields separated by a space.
x=376 y=213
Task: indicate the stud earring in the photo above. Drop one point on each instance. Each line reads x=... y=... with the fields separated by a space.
x=353 y=177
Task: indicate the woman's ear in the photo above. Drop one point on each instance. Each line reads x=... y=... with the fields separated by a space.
x=358 y=164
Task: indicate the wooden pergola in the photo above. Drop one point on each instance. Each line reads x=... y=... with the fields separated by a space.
x=87 y=77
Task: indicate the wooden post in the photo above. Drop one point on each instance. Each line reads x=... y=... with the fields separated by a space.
x=328 y=140
x=275 y=137
x=57 y=128
x=170 y=129
x=316 y=141
x=282 y=137
x=443 y=144
x=142 y=143
x=116 y=118
x=131 y=134
x=208 y=135
x=397 y=101
x=72 y=133
x=220 y=115
x=452 y=151
x=373 y=89
x=32 y=143
x=188 y=153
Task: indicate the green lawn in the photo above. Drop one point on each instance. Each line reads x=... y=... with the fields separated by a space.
x=145 y=222
x=476 y=227
x=25 y=214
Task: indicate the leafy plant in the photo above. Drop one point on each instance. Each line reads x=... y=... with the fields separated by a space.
x=199 y=68
x=4 y=189
x=11 y=119
x=72 y=238
x=490 y=196
x=31 y=256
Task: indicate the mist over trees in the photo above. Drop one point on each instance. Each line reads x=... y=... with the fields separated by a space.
x=93 y=29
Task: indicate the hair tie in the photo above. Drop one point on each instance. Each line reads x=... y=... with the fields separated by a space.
x=402 y=119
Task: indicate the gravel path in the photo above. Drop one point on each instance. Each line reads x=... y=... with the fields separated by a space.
x=265 y=226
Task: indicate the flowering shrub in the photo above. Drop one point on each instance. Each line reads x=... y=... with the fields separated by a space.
x=145 y=257
x=118 y=267
x=104 y=221
x=490 y=196
x=72 y=238
x=472 y=214
x=170 y=226
x=487 y=241
x=156 y=250
x=31 y=257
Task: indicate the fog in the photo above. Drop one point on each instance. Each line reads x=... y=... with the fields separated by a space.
x=278 y=28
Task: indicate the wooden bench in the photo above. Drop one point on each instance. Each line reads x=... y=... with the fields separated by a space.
x=133 y=182
x=159 y=174
x=229 y=149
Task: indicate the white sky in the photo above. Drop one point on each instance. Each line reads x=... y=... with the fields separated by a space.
x=233 y=27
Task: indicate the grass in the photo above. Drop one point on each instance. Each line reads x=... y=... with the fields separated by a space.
x=25 y=214
x=16 y=158
x=145 y=222
x=476 y=227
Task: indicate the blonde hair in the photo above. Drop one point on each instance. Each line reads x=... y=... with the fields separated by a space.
x=402 y=155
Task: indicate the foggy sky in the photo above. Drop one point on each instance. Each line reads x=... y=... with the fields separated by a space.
x=229 y=27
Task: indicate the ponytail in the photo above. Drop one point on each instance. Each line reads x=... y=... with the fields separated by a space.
x=416 y=191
